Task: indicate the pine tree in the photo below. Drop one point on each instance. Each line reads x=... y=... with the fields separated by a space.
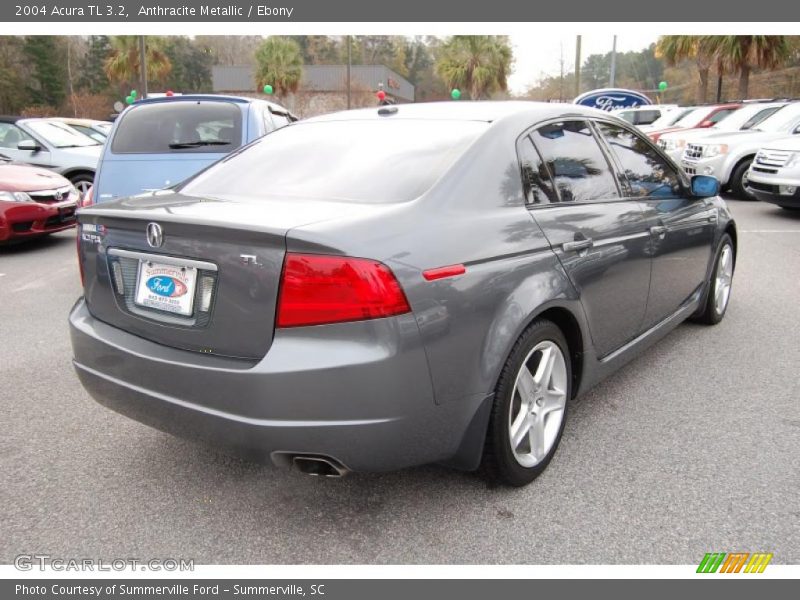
x=48 y=76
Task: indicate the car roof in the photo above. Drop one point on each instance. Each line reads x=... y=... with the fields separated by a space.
x=488 y=111
x=273 y=106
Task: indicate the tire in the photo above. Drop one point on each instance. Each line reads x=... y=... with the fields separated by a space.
x=82 y=182
x=737 y=182
x=534 y=406
x=713 y=311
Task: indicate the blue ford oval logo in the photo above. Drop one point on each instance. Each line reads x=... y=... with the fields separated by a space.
x=612 y=98
x=166 y=286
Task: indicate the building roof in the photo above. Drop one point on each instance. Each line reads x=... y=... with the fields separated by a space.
x=320 y=78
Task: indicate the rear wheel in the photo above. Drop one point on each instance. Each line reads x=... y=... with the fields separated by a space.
x=719 y=287
x=737 y=182
x=530 y=407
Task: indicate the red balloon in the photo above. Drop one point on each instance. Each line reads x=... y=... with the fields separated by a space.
x=170 y=93
x=381 y=95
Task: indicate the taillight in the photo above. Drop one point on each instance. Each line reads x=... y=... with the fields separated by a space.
x=88 y=197
x=317 y=289
x=78 y=247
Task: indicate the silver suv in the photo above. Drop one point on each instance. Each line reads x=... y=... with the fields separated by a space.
x=774 y=175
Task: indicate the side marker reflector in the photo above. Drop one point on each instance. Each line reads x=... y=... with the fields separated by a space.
x=442 y=272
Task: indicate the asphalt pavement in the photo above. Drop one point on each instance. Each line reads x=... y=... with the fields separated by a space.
x=692 y=448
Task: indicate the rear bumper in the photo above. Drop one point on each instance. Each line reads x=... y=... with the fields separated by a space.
x=359 y=393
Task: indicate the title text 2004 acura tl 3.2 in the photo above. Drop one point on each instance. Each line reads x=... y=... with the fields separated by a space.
x=388 y=287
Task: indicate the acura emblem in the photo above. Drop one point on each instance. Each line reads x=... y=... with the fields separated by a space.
x=155 y=237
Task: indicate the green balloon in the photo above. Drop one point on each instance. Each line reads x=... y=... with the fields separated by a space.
x=130 y=99
x=455 y=94
x=268 y=89
x=662 y=86
x=133 y=94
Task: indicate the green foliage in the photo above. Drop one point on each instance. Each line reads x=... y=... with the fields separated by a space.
x=122 y=65
x=191 y=66
x=92 y=77
x=279 y=63
x=479 y=64
x=46 y=83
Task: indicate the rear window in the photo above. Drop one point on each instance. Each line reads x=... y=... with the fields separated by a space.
x=361 y=161
x=179 y=127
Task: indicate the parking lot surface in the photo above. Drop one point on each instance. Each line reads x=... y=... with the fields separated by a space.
x=692 y=448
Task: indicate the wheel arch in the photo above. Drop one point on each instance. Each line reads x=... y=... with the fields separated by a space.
x=69 y=174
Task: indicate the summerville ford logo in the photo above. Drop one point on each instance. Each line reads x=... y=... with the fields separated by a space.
x=168 y=287
x=612 y=99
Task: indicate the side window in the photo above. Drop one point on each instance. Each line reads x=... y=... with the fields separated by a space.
x=646 y=171
x=11 y=135
x=535 y=178
x=718 y=116
x=579 y=168
x=280 y=120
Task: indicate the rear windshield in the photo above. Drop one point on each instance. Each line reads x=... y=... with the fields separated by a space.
x=179 y=127
x=360 y=161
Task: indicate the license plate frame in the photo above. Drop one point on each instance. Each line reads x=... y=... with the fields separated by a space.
x=165 y=287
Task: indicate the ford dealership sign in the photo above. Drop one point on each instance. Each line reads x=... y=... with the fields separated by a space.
x=612 y=99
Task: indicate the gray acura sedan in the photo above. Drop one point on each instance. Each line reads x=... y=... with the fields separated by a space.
x=387 y=287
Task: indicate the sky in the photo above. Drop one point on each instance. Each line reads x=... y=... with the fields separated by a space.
x=537 y=56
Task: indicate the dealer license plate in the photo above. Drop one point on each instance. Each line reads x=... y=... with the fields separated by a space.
x=166 y=287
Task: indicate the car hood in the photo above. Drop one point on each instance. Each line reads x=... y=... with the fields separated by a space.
x=791 y=144
x=18 y=178
x=740 y=137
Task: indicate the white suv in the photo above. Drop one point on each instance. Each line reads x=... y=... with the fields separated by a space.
x=727 y=156
x=774 y=174
x=747 y=117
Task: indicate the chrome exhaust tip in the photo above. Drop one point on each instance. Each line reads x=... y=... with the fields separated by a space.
x=318 y=466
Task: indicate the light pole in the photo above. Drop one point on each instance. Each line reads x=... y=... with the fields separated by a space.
x=613 y=63
x=349 y=61
x=143 y=66
x=577 y=66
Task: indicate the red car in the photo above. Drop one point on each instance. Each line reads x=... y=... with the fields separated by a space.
x=34 y=202
x=700 y=118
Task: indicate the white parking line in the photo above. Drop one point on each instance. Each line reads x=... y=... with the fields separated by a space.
x=769 y=231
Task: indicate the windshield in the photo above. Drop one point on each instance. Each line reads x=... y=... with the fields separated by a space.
x=782 y=121
x=745 y=117
x=669 y=118
x=179 y=127
x=373 y=161
x=60 y=135
x=693 y=118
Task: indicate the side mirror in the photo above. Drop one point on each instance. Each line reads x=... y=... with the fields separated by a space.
x=704 y=186
x=29 y=145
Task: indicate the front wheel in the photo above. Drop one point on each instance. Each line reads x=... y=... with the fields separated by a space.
x=530 y=407
x=82 y=182
x=739 y=180
x=719 y=287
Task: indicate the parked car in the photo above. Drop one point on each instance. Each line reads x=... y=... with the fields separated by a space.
x=643 y=115
x=667 y=119
x=97 y=130
x=273 y=302
x=53 y=145
x=774 y=174
x=727 y=156
x=159 y=142
x=743 y=119
x=33 y=202
x=700 y=118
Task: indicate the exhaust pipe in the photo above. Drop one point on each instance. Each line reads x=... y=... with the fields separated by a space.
x=319 y=466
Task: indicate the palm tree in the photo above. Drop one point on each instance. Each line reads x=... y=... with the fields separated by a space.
x=479 y=64
x=122 y=65
x=279 y=63
x=700 y=48
x=741 y=53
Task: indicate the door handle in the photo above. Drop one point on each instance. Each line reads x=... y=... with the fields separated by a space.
x=577 y=245
x=659 y=230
